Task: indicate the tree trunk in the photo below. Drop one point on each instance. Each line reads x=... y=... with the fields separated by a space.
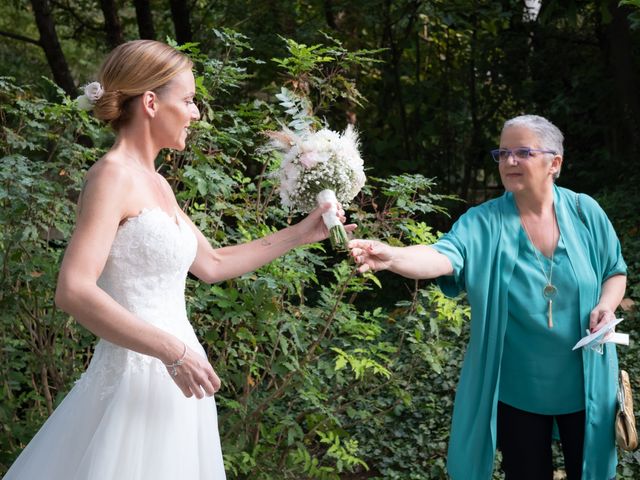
x=181 y=21
x=623 y=69
x=468 y=189
x=447 y=130
x=51 y=46
x=397 y=94
x=145 y=19
x=112 y=25
x=329 y=15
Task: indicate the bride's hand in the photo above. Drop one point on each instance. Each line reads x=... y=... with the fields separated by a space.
x=312 y=228
x=195 y=376
x=371 y=255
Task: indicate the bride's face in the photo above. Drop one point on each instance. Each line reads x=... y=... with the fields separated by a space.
x=176 y=111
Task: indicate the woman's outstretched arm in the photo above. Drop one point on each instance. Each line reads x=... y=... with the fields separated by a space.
x=416 y=261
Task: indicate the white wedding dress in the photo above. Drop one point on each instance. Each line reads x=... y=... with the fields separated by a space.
x=125 y=419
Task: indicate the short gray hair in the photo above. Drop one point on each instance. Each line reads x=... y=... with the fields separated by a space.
x=549 y=135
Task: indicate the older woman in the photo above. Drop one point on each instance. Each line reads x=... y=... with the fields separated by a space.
x=541 y=265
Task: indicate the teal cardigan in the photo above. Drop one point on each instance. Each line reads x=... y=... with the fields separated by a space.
x=482 y=247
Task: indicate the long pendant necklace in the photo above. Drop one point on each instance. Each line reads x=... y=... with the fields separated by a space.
x=549 y=291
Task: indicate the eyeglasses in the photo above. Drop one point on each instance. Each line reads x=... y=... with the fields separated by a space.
x=520 y=153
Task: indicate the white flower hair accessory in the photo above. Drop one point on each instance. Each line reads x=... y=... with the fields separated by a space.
x=92 y=93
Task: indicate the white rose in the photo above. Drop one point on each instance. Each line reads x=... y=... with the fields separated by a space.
x=93 y=91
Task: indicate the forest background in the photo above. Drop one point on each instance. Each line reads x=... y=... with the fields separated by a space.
x=326 y=375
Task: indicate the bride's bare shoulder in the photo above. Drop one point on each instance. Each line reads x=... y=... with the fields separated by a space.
x=111 y=167
x=109 y=177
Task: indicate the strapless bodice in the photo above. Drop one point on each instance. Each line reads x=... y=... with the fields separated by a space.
x=148 y=263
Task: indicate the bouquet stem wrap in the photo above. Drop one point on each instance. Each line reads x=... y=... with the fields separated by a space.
x=337 y=233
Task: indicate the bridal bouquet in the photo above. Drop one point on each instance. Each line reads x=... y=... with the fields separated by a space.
x=319 y=167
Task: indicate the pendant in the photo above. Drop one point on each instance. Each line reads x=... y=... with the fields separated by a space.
x=549 y=291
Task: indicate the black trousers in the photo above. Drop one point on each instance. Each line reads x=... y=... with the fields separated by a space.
x=525 y=441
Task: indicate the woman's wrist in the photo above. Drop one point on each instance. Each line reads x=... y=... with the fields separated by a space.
x=295 y=236
x=171 y=349
x=173 y=366
x=605 y=307
x=393 y=258
x=612 y=292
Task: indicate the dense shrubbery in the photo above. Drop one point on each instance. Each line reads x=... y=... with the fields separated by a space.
x=326 y=374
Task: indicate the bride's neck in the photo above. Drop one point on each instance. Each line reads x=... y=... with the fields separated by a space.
x=136 y=149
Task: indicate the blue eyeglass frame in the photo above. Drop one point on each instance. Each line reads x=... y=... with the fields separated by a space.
x=520 y=153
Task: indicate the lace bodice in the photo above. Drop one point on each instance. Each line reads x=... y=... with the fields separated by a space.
x=145 y=272
x=148 y=264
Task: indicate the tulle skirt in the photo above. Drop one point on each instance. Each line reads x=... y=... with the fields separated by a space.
x=125 y=419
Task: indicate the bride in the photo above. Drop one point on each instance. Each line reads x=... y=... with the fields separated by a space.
x=145 y=407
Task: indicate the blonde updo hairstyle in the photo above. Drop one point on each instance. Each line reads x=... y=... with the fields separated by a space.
x=132 y=69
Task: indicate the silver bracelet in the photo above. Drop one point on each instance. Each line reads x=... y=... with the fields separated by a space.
x=173 y=367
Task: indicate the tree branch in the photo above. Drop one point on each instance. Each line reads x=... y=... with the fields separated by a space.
x=84 y=23
x=22 y=38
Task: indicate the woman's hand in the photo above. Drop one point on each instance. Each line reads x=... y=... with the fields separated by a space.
x=312 y=228
x=611 y=296
x=599 y=316
x=371 y=255
x=195 y=376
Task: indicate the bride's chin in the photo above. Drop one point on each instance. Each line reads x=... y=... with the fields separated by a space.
x=178 y=145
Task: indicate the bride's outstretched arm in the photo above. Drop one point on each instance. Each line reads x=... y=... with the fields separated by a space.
x=216 y=264
x=102 y=208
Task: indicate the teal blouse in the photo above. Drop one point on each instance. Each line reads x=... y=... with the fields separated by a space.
x=483 y=248
x=540 y=372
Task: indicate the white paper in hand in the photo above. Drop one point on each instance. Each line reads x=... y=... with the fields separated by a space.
x=606 y=328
